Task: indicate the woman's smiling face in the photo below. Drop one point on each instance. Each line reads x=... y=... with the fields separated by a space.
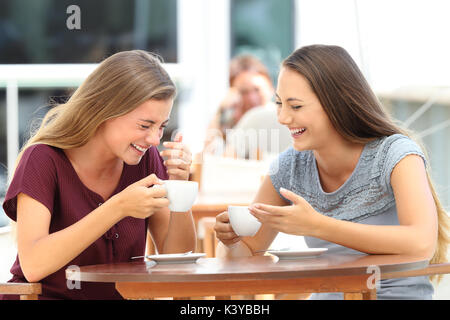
x=128 y=137
x=301 y=111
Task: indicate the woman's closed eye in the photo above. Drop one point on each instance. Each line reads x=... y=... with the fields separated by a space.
x=278 y=103
x=148 y=127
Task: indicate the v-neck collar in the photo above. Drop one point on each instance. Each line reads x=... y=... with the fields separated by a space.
x=342 y=186
x=85 y=187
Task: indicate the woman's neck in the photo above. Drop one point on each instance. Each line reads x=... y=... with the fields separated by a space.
x=94 y=160
x=338 y=159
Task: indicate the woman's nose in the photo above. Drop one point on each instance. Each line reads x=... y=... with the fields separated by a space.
x=284 y=116
x=153 y=138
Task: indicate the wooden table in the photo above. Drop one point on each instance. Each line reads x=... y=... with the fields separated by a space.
x=250 y=275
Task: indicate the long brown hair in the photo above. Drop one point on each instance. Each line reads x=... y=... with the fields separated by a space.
x=354 y=109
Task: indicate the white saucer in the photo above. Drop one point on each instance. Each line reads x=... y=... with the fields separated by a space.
x=176 y=257
x=297 y=254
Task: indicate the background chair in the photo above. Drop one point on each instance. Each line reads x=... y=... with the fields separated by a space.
x=207 y=240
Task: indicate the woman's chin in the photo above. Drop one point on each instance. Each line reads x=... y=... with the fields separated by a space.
x=132 y=161
x=299 y=147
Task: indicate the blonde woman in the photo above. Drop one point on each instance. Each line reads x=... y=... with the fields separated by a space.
x=352 y=181
x=82 y=189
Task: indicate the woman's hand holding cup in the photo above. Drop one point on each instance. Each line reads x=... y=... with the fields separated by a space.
x=140 y=201
x=224 y=231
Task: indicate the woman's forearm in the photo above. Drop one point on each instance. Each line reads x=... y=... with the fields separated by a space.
x=238 y=249
x=54 y=251
x=375 y=239
x=181 y=235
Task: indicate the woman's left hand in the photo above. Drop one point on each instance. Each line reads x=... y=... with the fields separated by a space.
x=300 y=218
x=179 y=159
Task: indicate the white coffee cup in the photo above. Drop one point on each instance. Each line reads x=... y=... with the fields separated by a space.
x=244 y=224
x=181 y=194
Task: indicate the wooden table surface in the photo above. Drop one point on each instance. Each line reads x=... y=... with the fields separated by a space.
x=249 y=275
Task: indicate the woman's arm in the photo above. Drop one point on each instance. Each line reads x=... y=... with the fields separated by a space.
x=173 y=232
x=416 y=234
x=41 y=253
x=232 y=245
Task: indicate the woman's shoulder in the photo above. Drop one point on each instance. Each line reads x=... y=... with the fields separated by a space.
x=393 y=148
x=384 y=153
x=42 y=153
x=41 y=159
x=398 y=141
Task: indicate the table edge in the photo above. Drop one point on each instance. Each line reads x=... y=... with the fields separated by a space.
x=80 y=275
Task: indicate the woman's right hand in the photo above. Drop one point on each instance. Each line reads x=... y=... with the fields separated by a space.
x=224 y=231
x=141 y=200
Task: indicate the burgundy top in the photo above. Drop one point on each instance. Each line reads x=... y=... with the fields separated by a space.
x=46 y=174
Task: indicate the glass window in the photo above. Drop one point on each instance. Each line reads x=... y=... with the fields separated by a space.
x=431 y=130
x=264 y=28
x=2 y=144
x=36 y=31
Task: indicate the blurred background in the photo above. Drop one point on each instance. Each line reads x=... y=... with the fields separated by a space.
x=401 y=46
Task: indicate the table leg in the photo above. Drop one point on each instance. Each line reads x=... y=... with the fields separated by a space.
x=365 y=295
x=29 y=297
x=370 y=295
x=353 y=295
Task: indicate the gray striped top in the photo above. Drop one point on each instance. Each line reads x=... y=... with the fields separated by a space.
x=366 y=197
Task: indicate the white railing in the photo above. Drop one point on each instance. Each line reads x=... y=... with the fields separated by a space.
x=18 y=76
x=429 y=96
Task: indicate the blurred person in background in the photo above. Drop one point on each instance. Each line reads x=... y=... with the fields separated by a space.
x=246 y=111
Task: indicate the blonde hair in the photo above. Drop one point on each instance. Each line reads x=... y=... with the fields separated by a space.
x=355 y=111
x=117 y=86
x=443 y=237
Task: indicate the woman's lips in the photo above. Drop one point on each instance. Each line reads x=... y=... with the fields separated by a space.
x=297 y=132
x=140 y=150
